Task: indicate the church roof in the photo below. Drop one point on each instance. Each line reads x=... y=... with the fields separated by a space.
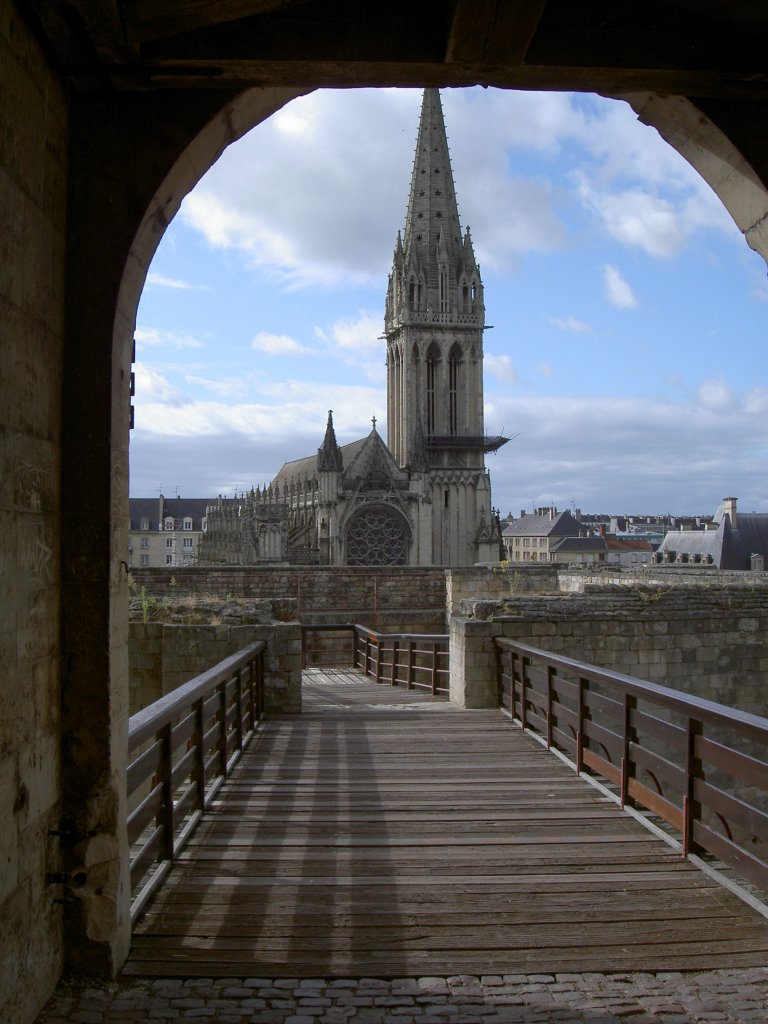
x=373 y=467
x=306 y=468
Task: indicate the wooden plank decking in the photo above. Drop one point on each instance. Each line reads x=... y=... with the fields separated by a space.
x=382 y=832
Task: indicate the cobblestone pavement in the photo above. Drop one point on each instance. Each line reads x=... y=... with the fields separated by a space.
x=738 y=996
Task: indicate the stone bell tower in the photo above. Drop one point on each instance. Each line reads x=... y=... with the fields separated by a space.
x=434 y=323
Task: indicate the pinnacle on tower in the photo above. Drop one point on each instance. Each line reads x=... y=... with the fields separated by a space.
x=329 y=458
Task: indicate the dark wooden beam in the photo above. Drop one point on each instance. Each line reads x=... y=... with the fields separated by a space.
x=492 y=31
x=159 y=19
x=203 y=74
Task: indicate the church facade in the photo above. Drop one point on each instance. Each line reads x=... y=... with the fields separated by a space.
x=424 y=497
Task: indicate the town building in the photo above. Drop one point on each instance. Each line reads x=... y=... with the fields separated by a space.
x=165 y=531
x=541 y=536
x=423 y=497
x=738 y=541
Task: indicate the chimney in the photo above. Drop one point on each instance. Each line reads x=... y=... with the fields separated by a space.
x=729 y=509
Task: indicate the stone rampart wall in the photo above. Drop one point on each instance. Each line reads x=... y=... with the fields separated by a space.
x=390 y=600
x=709 y=641
x=33 y=191
x=163 y=656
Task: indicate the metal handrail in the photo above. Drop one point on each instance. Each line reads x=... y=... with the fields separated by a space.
x=700 y=766
x=180 y=750
x=413 y=660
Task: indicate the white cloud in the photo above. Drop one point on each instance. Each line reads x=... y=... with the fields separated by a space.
x=717 y=395
x=630 y=454
x=279 y=345
x=153 y=387
x=227 y=388
x=158 y=281
x=501 y=367
x=154 y=337
x=637 y=219
x=570 y=323
x=357 y=341
x=617 y=291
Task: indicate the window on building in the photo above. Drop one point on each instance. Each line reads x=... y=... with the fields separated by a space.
x=205 y=523
x=144 y=559
x=431 y=392
x=187 y=524
x=169 y=559
x=454 y=387
x=169 y=542
x=145 y=542
x=145 y=524
x=442 y=289
x=187 y=542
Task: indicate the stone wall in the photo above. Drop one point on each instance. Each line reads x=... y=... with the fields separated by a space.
x=163 y=656
x=494 y=583
x=33 y=146
x=389 y=600
x=708 y=640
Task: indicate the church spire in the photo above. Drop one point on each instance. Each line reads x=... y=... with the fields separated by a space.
x=329 y=458
x=432 y=219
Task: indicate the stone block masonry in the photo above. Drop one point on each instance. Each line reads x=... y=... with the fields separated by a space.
x=164 y=655
x=387 y=599
x=710 y=640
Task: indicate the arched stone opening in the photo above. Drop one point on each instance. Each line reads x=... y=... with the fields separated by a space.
x=191 y=150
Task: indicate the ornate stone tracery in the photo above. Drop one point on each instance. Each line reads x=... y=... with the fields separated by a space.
x=377 y=535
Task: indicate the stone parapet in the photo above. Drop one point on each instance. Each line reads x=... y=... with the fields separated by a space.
x=164 y=655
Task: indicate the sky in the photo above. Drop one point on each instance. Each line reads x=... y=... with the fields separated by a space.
x=627 y=354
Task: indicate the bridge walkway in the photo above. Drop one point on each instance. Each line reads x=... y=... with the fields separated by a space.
x=385 y=833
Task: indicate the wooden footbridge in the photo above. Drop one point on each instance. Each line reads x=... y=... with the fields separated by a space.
x=384 y=832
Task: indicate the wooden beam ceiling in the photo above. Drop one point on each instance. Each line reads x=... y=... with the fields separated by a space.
x=712 y=48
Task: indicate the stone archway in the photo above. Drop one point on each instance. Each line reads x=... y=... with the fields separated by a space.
x=149 y=151
x=197 y=147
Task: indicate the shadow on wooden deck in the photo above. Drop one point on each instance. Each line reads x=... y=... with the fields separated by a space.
x=386 y=833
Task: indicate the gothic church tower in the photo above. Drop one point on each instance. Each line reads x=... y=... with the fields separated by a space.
x=434 y=322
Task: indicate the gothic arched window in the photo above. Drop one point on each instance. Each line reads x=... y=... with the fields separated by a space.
x=377 y=535
x=433 y=361
x=454 y=390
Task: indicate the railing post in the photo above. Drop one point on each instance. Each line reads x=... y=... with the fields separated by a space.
x=550 y=677
x=355 y=650
x=395 y=652
x=524 y=663
x=379 y=646
x=239 y=708
x=166 y=813
x=628 y=737
x=223 y=728
x=200 y=769
x=434 y=668
x=580 y=715
x=411 y=666
x=251 y=692
x=693 y=771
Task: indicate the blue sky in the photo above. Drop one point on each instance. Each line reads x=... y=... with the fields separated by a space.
x=628 y=349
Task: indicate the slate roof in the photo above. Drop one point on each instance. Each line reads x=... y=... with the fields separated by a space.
x=179 y=508
x=562 y=525
x=628 y=544
x=578 y=545
x=729 y=548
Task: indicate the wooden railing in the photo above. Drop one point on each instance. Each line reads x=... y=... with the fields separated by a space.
x=700 y=766
x=413 y=660
x=180 y=750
